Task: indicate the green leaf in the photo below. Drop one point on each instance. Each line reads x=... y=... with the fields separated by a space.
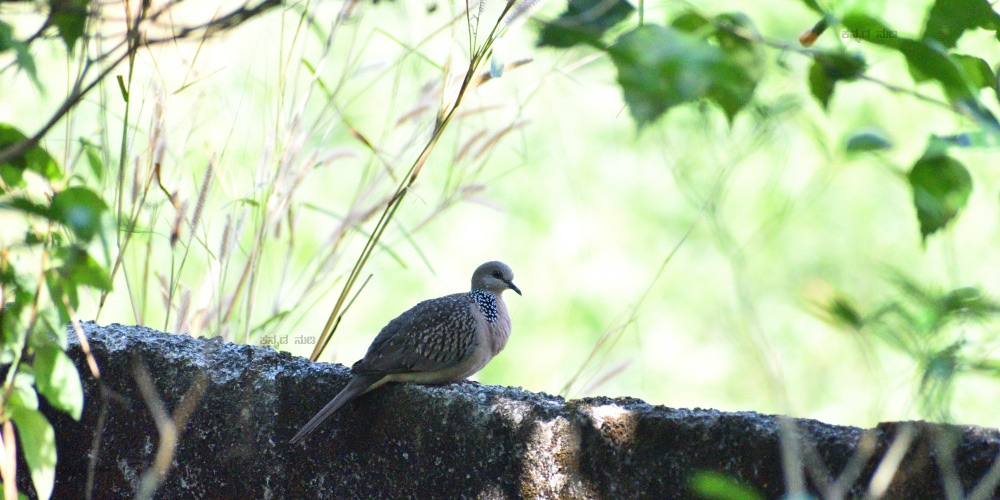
x=6 y=37
x=864 y=27
x=585 y=21
x=11 y=175
x=975 y=70
x=812 y=4
x=972 y=108
x=11 y=329
x=927 y=59
x=868 y=140
x=732 y=89
x=37 y=438
x=690 y=21
x=45 y=334
x=27 y=63
x=990 y=367
x=38 y=441
x=660 y=67
x=842 y=65
x=122 y=88
x=58 y=380
x=930 y=61
x=829 y=68
x=820 y=84
x=70 y=18
x=23 y=395
x=941 y=188
x=79 y=209
x=74 y=268
x=842 y=310
x=949 y=19
x=714 y=485
x=736 y=76
x=984 y=138
x=79 y=268
x=35 y=158
x=27 y=206
x=62 y=291
x=966 y=302
x=94 y=158
x=22 y=57
x=938 y=381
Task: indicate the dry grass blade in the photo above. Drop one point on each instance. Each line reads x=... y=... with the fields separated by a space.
x=446 y=114
x=791 y=457
x=607 y=376
x=414 y=113
x=144 y=28
x=607 y=336
x=8 y=469
x=351 y=302
x=199 y=207
x=135 y=181
x=890 y=463
x=181 y=325
x=168 y=427
x=241 y=277
x=175 y=232
x=469 y=143
x=153 y=477
x=487 y=76
x=82 y=338
x=945 y=443
x=523 y=11
x=987 y=485
x=95 y=444
x=125 y=49
x=816 y=468
x=614 y=334
x=495 y=138
x=867 y=445
x=225 y=242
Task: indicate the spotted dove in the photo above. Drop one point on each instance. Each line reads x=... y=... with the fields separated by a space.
x=435 y=342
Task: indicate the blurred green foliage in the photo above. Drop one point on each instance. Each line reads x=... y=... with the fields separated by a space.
x=41 y=278
x=712 y=485
x=947 y=334
x=718 y=58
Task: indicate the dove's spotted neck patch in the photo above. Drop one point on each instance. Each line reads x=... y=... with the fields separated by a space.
x=487 y=303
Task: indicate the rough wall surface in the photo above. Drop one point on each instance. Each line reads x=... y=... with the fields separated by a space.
x=460 y=440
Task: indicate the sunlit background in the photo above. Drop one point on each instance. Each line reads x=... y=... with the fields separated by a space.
x=545 y=170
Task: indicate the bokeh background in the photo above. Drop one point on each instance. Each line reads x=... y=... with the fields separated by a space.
x=681 y=264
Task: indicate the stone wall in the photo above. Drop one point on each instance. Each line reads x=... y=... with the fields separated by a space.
x=460 y=440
